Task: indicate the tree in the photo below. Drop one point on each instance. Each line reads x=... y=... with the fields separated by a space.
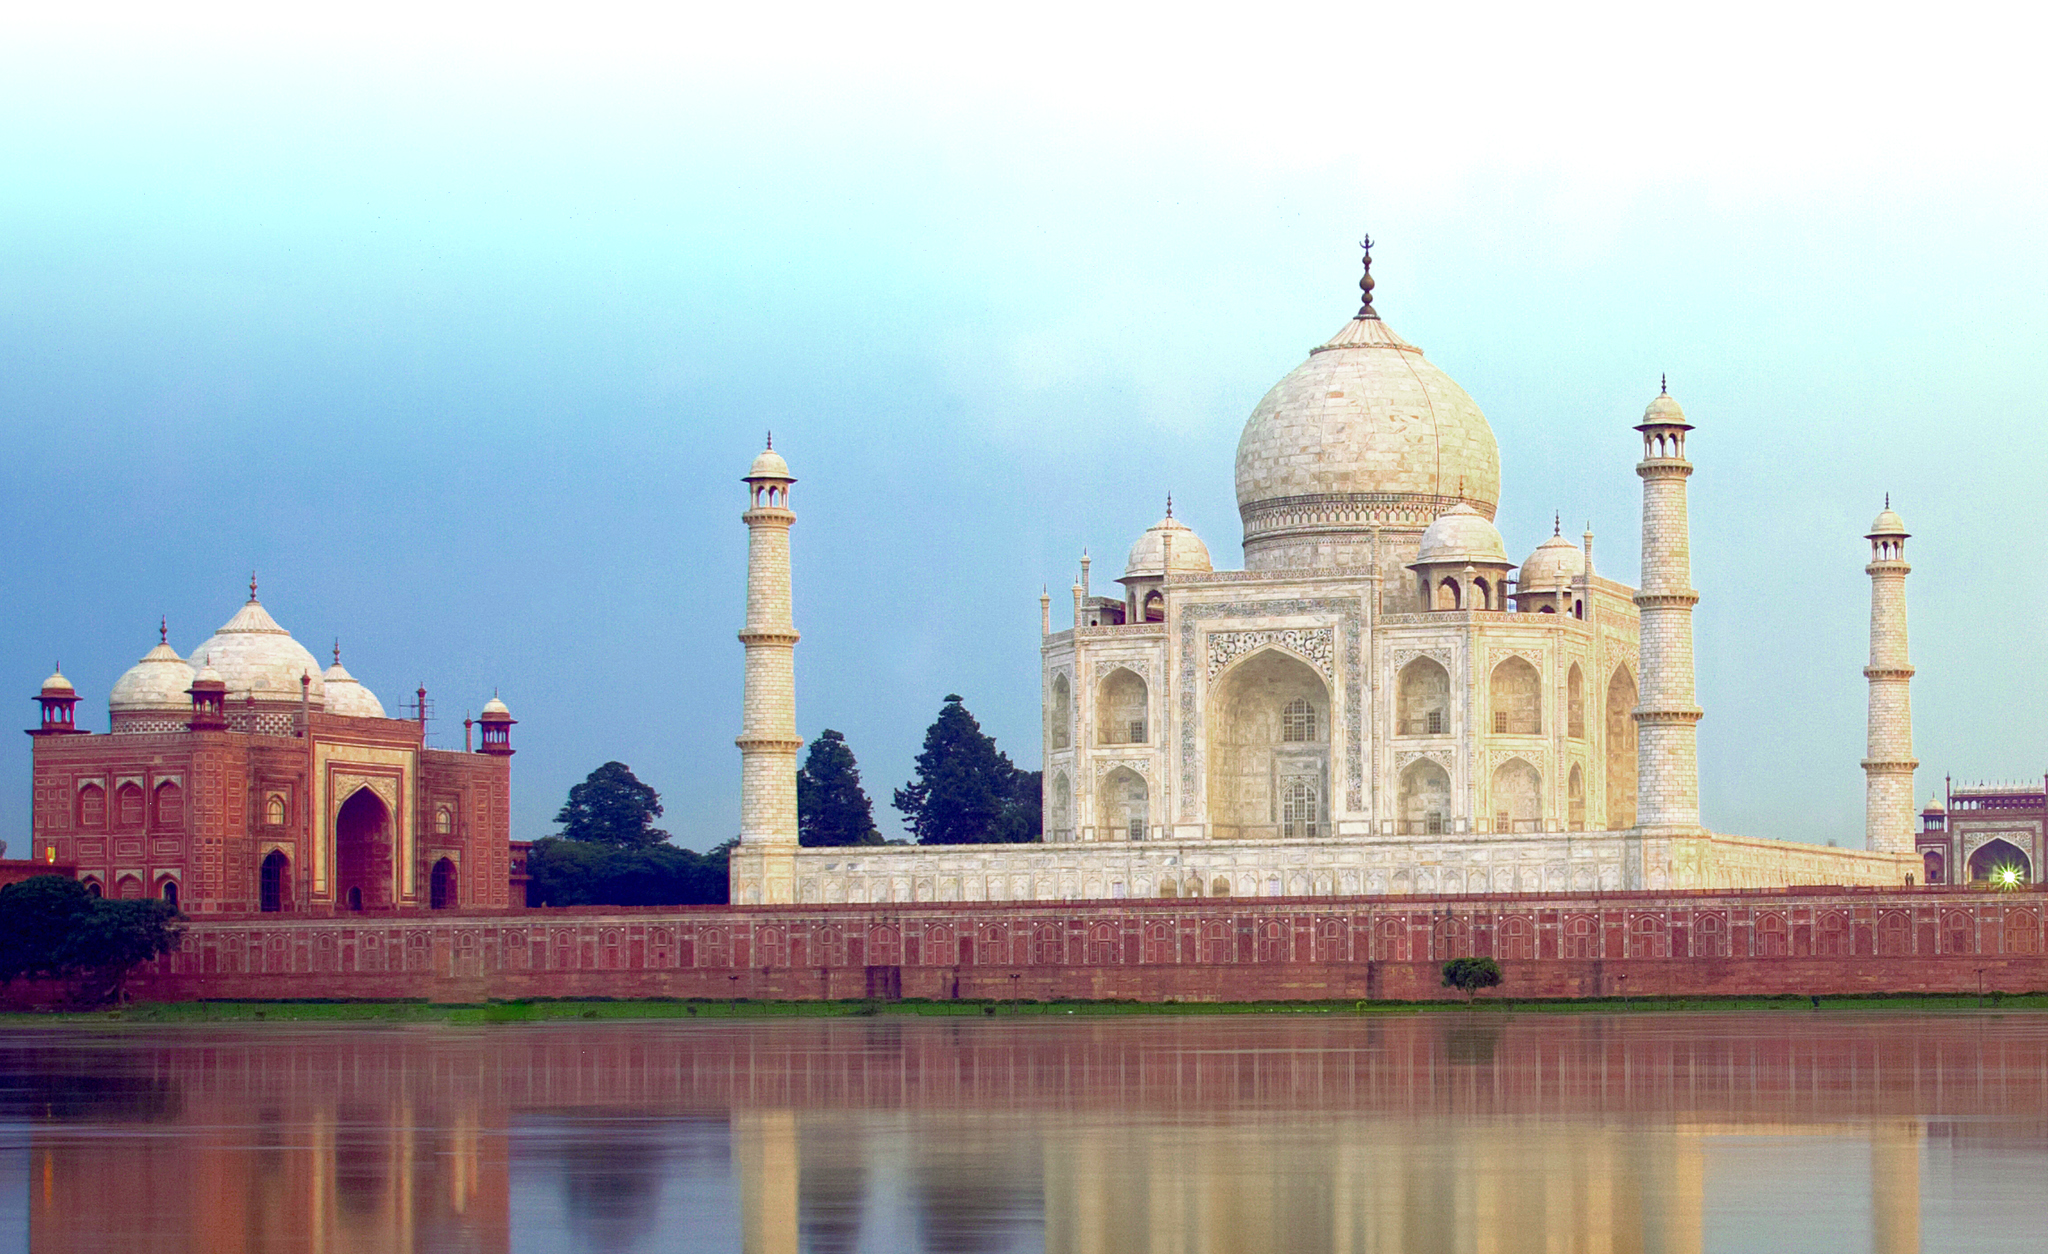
x=51 y=927
x=586 y=873
x=1469 y=975
x=831 y=806
x=612 y=807
x=967 y=791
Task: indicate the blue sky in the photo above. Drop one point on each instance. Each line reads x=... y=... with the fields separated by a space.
x=459 y=325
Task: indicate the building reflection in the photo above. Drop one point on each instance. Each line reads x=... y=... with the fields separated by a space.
x=1185 y=1136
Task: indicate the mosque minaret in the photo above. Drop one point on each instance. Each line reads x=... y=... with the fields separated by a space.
x=1888 y=767
x=1667 y=754
x=768 y=737
x=1380 y=701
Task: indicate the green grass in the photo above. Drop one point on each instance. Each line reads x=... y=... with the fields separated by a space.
x=546 y=1011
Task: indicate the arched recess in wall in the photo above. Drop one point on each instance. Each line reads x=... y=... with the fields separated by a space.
x=170 y=806
x=363 y=851
x=1062 y=807
x=1517 y=797
x=1447 y=595
x=1425 y=799
x=1122 y=801
x=273 y=889
x=1253 y=708
x=128 y=808
x=92 y=807
x=1575 y=703
x=1154 y=610
x=1515 y=694
x=1575 y=798
x=1621 y=750
x=1422 y=702
x=442 y=888
x=1994 y=858
x=1120 y=709
x=1061 y=731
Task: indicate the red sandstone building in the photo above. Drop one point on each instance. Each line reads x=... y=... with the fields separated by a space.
x=1985 y=832
x=245 y=778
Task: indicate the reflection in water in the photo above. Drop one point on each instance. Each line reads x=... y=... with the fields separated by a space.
x=1440 y=1132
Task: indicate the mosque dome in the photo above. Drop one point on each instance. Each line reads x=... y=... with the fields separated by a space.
x=1148 y=555
x=495 y=706
x=1556 y=559
x=769 y=465
x=1664 y=411
x=347 y=696
x=1933 y=806
x=160 y=681
x=1364 y=434
x=1462 y=535
x=256 y=657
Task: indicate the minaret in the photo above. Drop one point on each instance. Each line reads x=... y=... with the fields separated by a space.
x=1667 y=754
x=764 y=866
x=1888 y=767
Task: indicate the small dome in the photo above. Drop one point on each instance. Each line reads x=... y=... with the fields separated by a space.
x=1888 y=525
x=346 y=696
x=769 y=465
x=1148 y=555
x=496 y=708
x=1554 y=558
x=57 y=683
x=1462 y=535
x=160 y=681
x=208 y=675
x=258 y=658
x=1934 y=806
x=1664 y=412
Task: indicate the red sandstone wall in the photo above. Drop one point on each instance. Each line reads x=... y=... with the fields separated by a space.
x=1705 y=944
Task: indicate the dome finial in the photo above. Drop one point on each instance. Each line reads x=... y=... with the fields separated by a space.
x=1365 y=283
x=337 y=650
x=163 y=629
x=252 y=587
x=771 y=439
x=1887 y=500
x=1557 y=524
x=1663 y=384
x=1169 y=504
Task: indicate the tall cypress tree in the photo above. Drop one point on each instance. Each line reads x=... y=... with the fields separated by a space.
x=966 y=790
x=831 y=806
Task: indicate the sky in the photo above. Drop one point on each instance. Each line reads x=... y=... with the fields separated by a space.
x=458 y=325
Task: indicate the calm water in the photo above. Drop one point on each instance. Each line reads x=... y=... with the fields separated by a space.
x=1790 y=1131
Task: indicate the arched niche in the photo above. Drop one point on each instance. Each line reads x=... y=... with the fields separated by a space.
x=273 y=889
x=1992 y=860
x=1422 y=700
x=1154 y=609
x=442 y=886
x=1447 y=595
x=1517 y=797
x=1575 y=798
x=1122 y=803
x=1120 y=712
x=1251 y=755
x=1575 y=703
x=1621 y=750
x=1425 y=799
x=170 y=806
x=1060 y=729
x=363 y=851
x=1515 y=693
x=1062 y=807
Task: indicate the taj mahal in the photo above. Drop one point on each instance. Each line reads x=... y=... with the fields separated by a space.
x=1380 y=702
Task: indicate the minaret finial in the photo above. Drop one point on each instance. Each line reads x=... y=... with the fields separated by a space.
x=1663 y=384
x=1557 y=524
x=1169 y=504
x=1365 y=283
x=771 y=440
x=252 y=585
x=337 y=650
x=163 y=630
x=1887 y=501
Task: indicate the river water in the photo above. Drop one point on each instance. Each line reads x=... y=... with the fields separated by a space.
x=1786 y=1130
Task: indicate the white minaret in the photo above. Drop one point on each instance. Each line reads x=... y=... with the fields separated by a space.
x=764 y=866
x=1667 y=754
x=1888 y=767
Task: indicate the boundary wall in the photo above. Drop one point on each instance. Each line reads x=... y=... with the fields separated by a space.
x=1800 y=941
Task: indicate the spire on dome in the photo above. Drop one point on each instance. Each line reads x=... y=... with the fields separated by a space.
x=1365 y=283
x=1663 y=384
x=337 y=650
x=252 y=587
x=1169 y=504
x=771 y=440
x=1557 y=523
x=163 y=629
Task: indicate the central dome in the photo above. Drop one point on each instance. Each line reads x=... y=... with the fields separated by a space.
x=1365 y=435
x=258 y=658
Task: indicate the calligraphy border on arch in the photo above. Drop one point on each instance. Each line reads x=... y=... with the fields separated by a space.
x=1350 y=619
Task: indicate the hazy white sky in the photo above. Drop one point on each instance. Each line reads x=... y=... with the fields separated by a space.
x=460 y=322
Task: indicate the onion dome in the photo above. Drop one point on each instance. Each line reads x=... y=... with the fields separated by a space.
x=1364 y=434
x=1555 y=560
x=257 y=658
x=207 y=675
x=1664 y=411
x=1149 y=558
x=346 y=696
x=1462 y=536
x=160 y=682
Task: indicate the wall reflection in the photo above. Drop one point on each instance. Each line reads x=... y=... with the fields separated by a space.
x=1436 y=1132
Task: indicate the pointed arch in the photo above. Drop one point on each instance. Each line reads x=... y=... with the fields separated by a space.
x=1060 y=721
x=1121 y=708
x=92 y=807
x=1575 y=798
x=1575 y=703
x=443 y=886
x=1253 y=755
x=1123 y=804
x=363 y=850
x=170 y=806
x=1062 y=807
x=1422 y=699
x=1517 y=797
x=1425 y=799
x=1515 y=693
x=128 y=806
x=273 y=890
x=1621 y=749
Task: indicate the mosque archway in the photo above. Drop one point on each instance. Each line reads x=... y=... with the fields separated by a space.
x=1268 y=721
x=363 y=851
x=442 y=886
x=1621 y=750
x=1422 y=701
x=1425 y=799
x=1061 y=733
x=1123 y=801
x=273 y=887
x=1517 y=797
x=1120 y=709
x=2000 y=862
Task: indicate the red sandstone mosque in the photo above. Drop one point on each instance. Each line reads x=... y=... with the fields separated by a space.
x=244 y=778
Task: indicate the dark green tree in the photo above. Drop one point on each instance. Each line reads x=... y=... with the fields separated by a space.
x=967 y=791
x=831 y=806
x=51 y=927
x=612 y=807
x=1469 y=975
x=586 y=873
